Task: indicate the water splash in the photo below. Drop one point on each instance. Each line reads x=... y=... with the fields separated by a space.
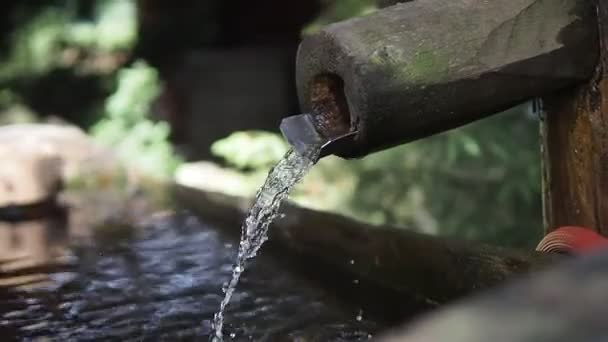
x=254 y=231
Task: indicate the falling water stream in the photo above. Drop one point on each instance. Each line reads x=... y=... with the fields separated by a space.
x=254 y=231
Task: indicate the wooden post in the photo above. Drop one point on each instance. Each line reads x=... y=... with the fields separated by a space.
x=575 y=148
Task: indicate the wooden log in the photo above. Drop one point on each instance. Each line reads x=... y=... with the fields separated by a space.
x=575 y=148
x=422 y=67
x=432 y=269
x=564 y=304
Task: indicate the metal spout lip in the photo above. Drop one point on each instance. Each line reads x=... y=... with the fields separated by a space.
x=339 y=145
x=301 y=133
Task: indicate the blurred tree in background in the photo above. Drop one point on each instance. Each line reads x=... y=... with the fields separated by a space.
x=69 y=58
x=126 y=127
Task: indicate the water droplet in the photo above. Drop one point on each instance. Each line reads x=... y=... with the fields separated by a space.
x=359 y=315
x=232 y=335
x=369 y=336
x=355 y=281
x=228 y=245
x=32 y=301
x=238 y=269
x=352 y=262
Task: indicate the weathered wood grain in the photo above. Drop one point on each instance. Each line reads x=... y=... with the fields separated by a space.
x=575 y=148
x=422 y=67
x=564 y=304
x=436 y=270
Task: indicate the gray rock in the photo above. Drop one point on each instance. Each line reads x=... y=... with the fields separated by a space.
x=37 y=159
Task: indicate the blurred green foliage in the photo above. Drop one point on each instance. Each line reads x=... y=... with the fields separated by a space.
x=337 y=10
x=114 y=27
x=44 y=40
x=59 y=37
x=34 y=44
x=137 y=140
x=250 y=150
x=480 y=182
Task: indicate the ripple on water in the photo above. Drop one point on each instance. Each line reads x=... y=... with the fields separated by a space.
x=161 y=285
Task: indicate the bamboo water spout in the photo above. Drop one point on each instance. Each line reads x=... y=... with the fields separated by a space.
x=422 y=67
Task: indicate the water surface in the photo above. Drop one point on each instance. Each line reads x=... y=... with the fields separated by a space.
x=155 y=282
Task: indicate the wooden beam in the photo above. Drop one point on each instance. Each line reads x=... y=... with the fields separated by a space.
x=433 y=269
x=575 y=148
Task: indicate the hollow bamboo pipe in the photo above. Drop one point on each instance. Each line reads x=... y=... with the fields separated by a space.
x=423 y=67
